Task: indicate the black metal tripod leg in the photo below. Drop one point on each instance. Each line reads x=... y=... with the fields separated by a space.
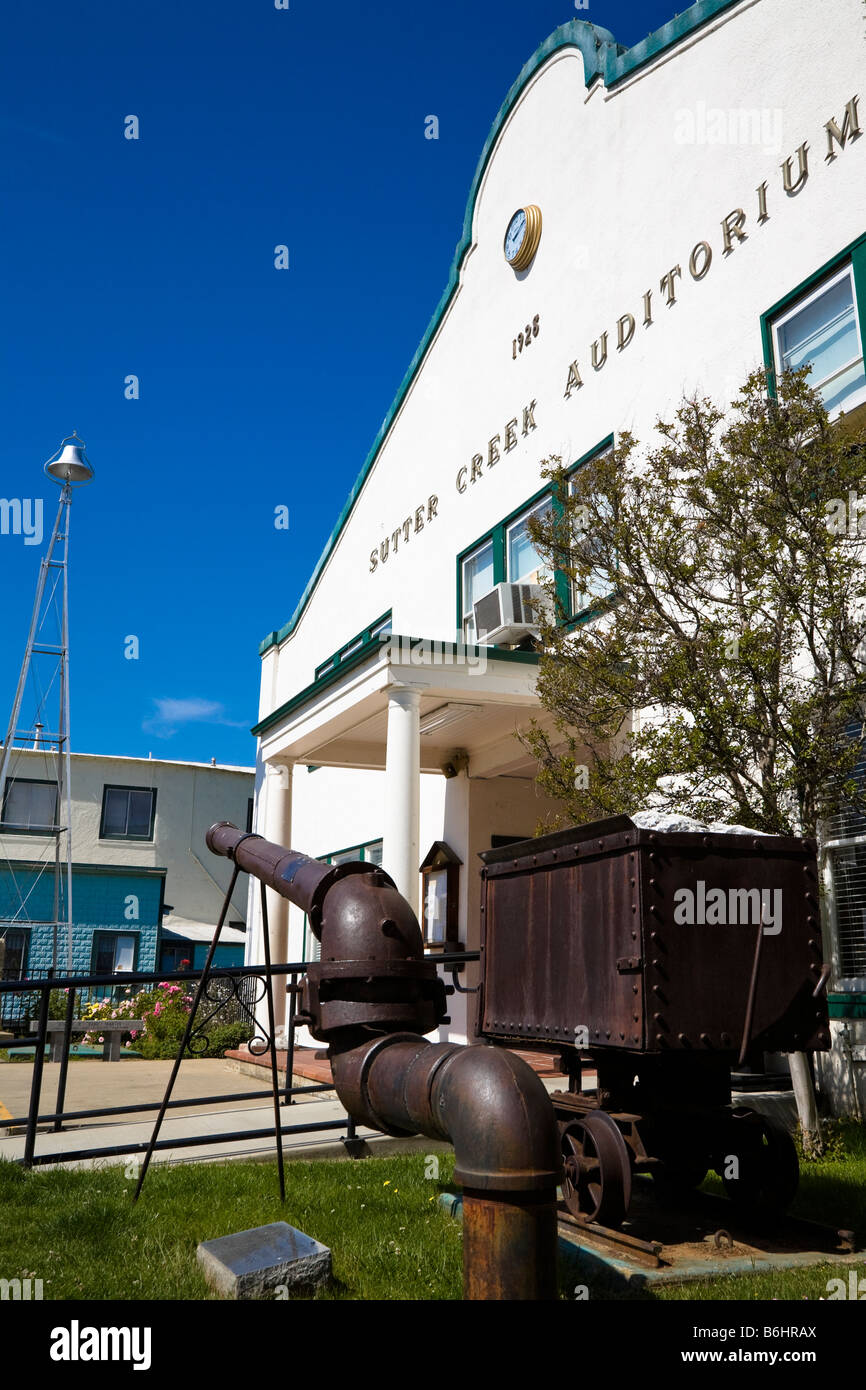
x=186 y=1036
x=278 y=1133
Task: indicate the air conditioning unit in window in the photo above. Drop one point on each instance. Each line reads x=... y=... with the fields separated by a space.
x=509 y=613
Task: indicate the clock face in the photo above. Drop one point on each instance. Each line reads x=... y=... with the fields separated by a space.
x=522 y=237
x=514 y=235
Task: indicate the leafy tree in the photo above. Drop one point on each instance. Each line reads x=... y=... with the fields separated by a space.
x=721 y=671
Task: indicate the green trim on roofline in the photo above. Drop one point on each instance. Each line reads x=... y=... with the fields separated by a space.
x=357 y=658
x=365 y=635
x=603 y=57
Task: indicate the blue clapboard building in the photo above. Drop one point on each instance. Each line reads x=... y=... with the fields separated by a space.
x=116 y=917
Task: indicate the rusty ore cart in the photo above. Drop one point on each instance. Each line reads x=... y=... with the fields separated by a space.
x=661 y=961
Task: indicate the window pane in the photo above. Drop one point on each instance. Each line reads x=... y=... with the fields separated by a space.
x=596 y=585
x=373 y=853
x=841 y=393
x=103 y=960
x=128 y=812
x=524 y=563
x=31 y=804
x=174 y=954
x=477 y=577
x=477 y=581
x=436 y=906
x=124 y=952
x=824 y=333
x=16 y=954
x=116 y=809
x=138 y=822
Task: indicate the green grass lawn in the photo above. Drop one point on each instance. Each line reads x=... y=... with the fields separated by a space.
x=81 y=1234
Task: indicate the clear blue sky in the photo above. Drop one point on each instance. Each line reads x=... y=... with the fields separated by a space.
x=155 y=257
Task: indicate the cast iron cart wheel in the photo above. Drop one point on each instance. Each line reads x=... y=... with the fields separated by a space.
x=597 y=1182
x=768 y=1172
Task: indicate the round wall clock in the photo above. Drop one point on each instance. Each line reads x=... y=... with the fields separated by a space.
x=522 y=237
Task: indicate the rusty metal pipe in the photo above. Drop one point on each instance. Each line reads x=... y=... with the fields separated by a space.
x=374 y=979
x=492 y=1107
x=304 y=881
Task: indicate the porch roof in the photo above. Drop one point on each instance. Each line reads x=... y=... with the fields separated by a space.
x=472 y=698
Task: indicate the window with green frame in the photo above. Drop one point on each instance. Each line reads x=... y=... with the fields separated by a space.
x=820 y=324
x=371 y=853
x=380 y=628
x=583 y=600
x=506 y=555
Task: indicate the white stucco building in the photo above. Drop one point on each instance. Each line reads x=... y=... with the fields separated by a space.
x=699 y=207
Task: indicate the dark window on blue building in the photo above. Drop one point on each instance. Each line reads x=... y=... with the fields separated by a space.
x=15 y=960
x=113 y=952
x=176 y=955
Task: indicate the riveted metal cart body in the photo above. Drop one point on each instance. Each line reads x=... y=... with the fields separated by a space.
x=658 y=960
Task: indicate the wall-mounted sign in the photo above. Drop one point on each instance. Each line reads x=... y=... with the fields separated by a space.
x=496 y=446
x=521 y=242
x=412 y=526
x=794 y=177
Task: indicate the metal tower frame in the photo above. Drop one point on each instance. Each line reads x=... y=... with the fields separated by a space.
x=71 y=467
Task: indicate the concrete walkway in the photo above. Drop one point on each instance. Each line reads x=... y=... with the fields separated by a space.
x=93 y=1084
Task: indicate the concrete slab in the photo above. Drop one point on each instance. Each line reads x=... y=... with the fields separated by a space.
x=686 y=1246
x=92 y=1084
x=680 y=1265
x=241 y=1120
x=264 y=1260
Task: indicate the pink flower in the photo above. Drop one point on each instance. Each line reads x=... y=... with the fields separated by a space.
x=157 y=1008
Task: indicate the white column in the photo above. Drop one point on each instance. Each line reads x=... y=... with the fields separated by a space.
x=278 y=828
x=400 y=848
x=253 y=943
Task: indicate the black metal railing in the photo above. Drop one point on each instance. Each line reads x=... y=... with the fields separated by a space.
x=235 y=993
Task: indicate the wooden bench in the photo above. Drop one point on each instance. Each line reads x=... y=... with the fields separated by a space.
x=110 y=1028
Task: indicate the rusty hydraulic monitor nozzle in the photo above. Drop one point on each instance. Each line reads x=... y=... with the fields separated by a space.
x=370 y=997
x=372 y=973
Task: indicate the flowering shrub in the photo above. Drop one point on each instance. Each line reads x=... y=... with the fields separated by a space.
x=164 y=1010
x=130 y=1006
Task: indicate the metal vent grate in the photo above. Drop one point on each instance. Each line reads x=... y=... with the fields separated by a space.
x=849 y=883
x=488 y=613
